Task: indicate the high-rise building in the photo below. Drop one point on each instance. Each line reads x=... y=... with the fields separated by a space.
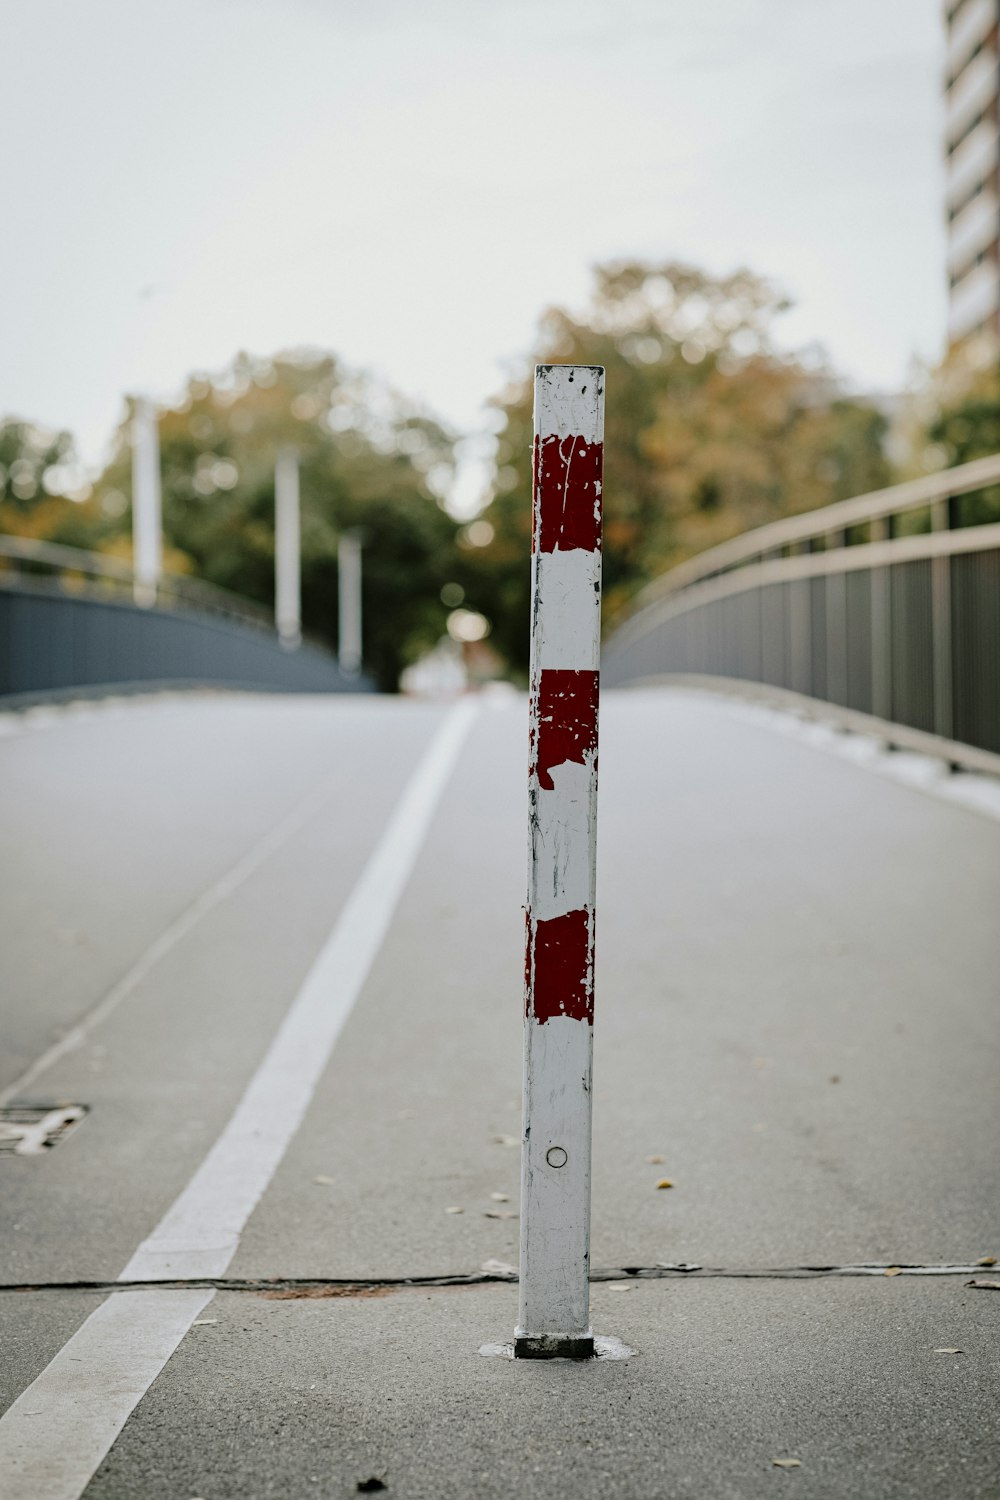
x=972 y=142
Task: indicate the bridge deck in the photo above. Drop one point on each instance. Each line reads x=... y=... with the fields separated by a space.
x=797 y=1012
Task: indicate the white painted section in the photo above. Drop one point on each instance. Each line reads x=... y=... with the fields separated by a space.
x=58 y=1431
x=199 y=1234
x=569 y=401
x=349 y=603
x=147 y=523
x=287 y=549
x=568 y=588
x=302 y=813
x=555 y=1201
x=562 y=861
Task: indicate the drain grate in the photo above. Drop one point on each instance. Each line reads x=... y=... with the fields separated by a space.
x=30 y=1129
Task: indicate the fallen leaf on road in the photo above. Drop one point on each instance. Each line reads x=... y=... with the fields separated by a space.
x=787 y=1463
x=498 y=1268
x=323 y=1180
x=664 y=1182
x=654 y=1161
x=499 y=1213
x=500 y=1197
x=985 y=1286
x=454 y=1210
x=506 y=1140
x=949 y=1351
x=892 y=1271
x=987 y=1260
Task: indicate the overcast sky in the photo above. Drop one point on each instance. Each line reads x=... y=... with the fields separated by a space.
x=409 y=182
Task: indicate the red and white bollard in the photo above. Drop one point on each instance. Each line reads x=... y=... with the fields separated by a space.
x=554 y=1315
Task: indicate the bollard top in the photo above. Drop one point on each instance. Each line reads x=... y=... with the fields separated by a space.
x=569 y=402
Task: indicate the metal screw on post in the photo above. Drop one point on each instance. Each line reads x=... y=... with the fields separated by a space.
x=287 y=550
x=554 y=1313
x=147 y=525
x=349 y=599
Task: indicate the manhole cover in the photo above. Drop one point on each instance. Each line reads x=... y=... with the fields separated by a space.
x=30 y=1129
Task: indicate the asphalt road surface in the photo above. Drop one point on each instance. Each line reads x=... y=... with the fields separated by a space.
x=274 y=946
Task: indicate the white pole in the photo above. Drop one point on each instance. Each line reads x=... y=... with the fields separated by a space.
x=349 y=591
x=287 y=550
x=554 y=1313
x=147 y=526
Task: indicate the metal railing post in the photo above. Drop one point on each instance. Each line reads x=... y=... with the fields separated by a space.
x=941 y=626
x=835 y=617
x=554 y=1310
x=800 y=653
x=880 y=596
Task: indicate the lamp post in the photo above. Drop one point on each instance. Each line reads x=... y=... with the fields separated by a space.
x=287 y=550
x=147 y=523
x=349 y=601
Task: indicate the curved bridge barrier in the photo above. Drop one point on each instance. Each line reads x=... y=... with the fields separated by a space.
x=76 y=627
x=885 y=606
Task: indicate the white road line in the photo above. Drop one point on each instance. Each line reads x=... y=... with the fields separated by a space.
x=198 y=1236
x=57 y=1434
x=59 y=1430
x=171 y=936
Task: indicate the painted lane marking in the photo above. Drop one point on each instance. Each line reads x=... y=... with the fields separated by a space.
x=60 y=1429
x=199 y=1234
x=209 y=899
x=58 y=1432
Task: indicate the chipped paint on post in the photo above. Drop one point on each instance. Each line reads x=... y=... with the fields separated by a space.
x=554 y=1316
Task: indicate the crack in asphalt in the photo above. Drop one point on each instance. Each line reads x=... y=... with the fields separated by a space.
x=280 y=1287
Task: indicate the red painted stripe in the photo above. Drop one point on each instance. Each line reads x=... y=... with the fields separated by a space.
x=565 y=713
x=567 y=508
x=560 y=968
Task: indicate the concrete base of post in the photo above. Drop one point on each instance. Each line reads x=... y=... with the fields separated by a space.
x=554 y=1346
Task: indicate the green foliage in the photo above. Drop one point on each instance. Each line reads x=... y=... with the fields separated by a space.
x=709 y=431
x=968 y=427
x=366 y=460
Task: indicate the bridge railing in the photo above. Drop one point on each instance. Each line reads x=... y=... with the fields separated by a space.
x=74 y=567
x=884 y=605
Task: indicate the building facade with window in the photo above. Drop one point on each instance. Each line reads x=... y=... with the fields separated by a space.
x=972 y=194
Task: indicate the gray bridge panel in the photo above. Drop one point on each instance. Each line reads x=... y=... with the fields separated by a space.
x=51 y=641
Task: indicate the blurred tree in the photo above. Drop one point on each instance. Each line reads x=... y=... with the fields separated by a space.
x=966 y=425
x=709 y=431
x=366 y=460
